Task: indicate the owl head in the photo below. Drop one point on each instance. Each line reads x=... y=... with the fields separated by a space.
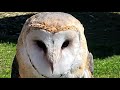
x=53 y=45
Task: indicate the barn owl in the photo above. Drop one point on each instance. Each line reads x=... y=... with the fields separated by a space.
x=52 y=45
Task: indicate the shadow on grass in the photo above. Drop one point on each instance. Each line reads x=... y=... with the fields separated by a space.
x=10 y=28
x=102 y=30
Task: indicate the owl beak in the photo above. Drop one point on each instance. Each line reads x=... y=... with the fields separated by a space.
x=51 y=66
x=52 y=58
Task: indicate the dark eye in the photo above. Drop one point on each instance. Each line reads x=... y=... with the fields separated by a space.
x=65 y=44
x=41 y=45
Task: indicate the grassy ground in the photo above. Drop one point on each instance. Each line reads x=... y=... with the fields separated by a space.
x=108 y=67
x=7 y=52
x=103 y=68
x=102 y=31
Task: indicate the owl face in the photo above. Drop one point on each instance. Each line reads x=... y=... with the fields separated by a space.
x=53 y=54
x=51 y=45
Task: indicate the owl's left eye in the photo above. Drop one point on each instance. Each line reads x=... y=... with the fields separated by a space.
x=65 y=44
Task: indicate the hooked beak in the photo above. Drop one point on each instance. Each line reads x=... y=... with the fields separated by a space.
x=53 y=58
x=51 y=66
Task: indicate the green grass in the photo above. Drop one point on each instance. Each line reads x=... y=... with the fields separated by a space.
x=7 y=52
x=103 y=68
x=108 y=67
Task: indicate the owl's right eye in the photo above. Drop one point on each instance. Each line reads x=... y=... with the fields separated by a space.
x=41 y=45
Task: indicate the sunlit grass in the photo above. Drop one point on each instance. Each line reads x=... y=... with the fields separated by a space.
x=103 y=68
x=107 y=68
x=7 y=52
x=11 y=14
